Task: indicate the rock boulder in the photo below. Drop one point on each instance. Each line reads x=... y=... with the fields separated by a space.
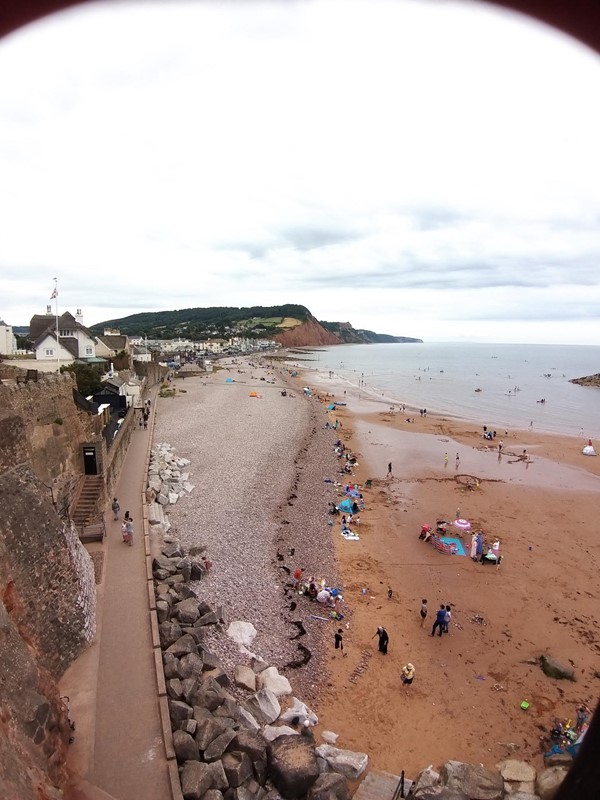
x=475 y=781
x=293 y=765
x=554 y=669
x=349 y=764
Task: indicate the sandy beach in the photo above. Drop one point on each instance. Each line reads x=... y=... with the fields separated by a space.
x=465 y=700
x=260 y=509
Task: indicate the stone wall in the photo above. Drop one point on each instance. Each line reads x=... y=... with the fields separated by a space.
x=54 y=429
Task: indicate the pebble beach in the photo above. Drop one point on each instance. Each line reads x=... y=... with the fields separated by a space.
x=258 y=465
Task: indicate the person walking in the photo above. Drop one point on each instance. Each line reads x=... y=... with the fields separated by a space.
x=407 y=675
x=339 y=641
x=383 y=640
x=129 y=529
x=389 y=472
x=424 y=611
x=115 y=509
x=439 y=620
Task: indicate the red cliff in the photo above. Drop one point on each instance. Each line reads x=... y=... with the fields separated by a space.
x=307 y=334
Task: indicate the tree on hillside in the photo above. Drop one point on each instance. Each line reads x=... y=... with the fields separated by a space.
x=87 y=376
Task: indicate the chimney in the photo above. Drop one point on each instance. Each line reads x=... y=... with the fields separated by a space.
x=79 y=316
x=48 y=311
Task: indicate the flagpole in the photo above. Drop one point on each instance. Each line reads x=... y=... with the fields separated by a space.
x=57 y=339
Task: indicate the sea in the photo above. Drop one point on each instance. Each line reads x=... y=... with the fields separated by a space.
x=498 y=385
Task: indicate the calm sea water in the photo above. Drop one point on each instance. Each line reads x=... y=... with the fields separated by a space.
x=443 y=377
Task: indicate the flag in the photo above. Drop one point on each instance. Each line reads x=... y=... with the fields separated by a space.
x=54 y=293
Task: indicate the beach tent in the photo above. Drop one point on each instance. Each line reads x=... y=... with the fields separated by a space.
x=588 y=450
x=253 y=394
x=331 y=407
x=229 y=380
x=346 y=506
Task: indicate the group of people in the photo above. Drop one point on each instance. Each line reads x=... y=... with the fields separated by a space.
x=407 y=674
x=443 y=617
x=478 y=552
x=145 y=415
x=328 y=596
x=127 y=524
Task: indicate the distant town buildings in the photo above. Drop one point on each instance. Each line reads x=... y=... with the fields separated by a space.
x=8 y=341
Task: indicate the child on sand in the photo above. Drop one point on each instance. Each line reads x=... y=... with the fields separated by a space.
x=408 y=675
x=339 y=641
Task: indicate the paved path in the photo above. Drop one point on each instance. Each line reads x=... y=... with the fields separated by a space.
x=119 y=745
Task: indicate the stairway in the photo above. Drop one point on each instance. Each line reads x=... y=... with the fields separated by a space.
x=88 y=505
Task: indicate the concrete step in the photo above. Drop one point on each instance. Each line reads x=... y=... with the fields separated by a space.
x=80 y=789
x=379 y=786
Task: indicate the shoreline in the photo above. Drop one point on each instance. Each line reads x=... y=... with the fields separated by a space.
x=534 y=604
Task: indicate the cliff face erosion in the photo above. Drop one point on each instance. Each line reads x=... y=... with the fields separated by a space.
x=47 y=588
x=307 y=334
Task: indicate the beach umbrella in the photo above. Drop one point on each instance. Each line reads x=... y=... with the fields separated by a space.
x=462 y=524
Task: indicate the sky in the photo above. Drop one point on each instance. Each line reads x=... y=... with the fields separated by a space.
x=418 y=168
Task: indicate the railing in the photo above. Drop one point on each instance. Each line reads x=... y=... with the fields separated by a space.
x=399 y=791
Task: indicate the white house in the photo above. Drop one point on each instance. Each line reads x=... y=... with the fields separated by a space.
x=214 y=345
x=73 y=342
x=141 y=353
x=8 y=341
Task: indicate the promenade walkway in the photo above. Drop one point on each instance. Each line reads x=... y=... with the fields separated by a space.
x=118 y=741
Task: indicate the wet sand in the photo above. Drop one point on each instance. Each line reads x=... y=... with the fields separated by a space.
x=465 y=700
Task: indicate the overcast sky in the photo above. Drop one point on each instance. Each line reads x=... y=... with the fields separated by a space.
x=423 y=168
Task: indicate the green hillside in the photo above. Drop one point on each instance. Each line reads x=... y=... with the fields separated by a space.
x=203 y=323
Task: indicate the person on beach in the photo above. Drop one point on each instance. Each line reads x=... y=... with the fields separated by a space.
x=424 y=611
x=389 y=472
x=339 y=641
x=500 y=445
x=447 y=619
x=207 y=564
x=439 y=620
x=445 y=459
x=115 y=509
x=473 y=552
x=407 y=675
x=383 y=640
x=129 y=529
x=457 y=460
x=124 y=532
x=390 y=593
x=479 y=547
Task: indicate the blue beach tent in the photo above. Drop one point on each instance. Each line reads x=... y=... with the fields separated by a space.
x=229 y=380
x=346 y=505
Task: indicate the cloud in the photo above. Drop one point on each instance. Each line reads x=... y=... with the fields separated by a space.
x=403 y=173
